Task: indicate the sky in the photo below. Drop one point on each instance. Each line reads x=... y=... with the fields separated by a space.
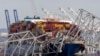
x=34 y=7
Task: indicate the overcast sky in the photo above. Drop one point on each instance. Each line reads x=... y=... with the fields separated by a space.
x=33 y=7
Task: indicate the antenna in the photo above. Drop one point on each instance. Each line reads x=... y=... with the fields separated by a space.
x=34 y=7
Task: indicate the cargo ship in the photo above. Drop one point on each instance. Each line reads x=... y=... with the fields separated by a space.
x=47 y=37
x=51 y=26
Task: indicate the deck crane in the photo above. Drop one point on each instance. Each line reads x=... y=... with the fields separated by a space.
x=73 y=11
x=68 y=16
x=7 y=19
x=48 y=13
x=15 y=15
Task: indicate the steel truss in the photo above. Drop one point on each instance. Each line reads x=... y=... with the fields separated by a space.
x=89 y=24
x=25 y=43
